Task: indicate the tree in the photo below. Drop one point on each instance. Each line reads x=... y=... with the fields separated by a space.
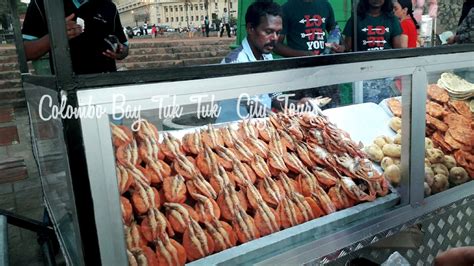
x=5 y=12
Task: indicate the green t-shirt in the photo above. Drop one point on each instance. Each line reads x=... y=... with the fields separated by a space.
x=306 y=24
x=374 y=33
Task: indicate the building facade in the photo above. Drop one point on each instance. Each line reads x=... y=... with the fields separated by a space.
x=173 y=13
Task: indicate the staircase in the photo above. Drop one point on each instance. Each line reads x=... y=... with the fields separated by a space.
x=143 y=54
x=11 y=92
x=176 y=53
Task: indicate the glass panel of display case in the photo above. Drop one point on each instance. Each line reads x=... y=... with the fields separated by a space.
x=50 y=154
x=243 y=175
x=449 y=134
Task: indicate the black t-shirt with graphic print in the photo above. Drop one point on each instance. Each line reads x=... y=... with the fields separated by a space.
x=374 y=33
x=101 y=19
x=306 y=24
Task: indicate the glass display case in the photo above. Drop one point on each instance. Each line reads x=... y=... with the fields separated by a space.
x=138 y=160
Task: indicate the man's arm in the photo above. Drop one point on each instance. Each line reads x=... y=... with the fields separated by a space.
x=35 y=49
x=397 y=41
x=284 y=50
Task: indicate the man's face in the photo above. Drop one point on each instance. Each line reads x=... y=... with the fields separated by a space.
x=265 y=35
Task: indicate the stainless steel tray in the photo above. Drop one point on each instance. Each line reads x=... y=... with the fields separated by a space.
x=364 y=122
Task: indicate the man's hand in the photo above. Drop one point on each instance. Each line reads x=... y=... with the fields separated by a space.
x=122 y=52
x=338 y=48
x=73 y=29
x=452 y=39
x=461 y=256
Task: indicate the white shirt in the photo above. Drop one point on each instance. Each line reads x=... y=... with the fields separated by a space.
x=243 y=54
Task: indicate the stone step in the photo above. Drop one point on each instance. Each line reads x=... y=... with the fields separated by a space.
x=170 y=63
x=150 y=57
x=13 y=102
x=202 y=61
x=176 y=50
x=10 y=84
x=9 y=67
x=8 y=59
x=150 y=64
x=160 y=57
x=7 y=50
x=9 y=75
x=13 y=93
x=175 y=44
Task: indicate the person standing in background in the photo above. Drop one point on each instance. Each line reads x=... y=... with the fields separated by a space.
x=263 y=22
x=225 y=23
x=145 y=28
x=377 y=27
x=306 y=23
x=94 y=47
x=465 y=31
x=206 y=25
x=403 y=9
x=466 y=7
x=419 y=6
x=154 y=32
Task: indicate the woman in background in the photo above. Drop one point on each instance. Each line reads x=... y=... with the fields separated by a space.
x=403 y=9
x=377 y=27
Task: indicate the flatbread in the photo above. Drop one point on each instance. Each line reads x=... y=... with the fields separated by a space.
x=455 y=83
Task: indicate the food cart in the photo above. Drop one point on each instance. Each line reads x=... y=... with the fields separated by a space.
x=78 y=167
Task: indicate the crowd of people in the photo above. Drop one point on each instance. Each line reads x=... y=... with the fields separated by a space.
x=301 y=28
x=305 y=27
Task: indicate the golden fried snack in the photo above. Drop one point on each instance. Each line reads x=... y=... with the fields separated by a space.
x=395 y=106
x=437 y=93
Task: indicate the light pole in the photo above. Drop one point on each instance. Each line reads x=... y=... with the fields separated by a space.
x=134 y=18
x=186 y=6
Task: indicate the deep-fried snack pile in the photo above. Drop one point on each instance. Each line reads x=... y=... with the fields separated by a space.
x=184 y=199
x=449 y=124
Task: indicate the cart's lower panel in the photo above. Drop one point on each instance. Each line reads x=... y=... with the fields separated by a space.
x=445 y=228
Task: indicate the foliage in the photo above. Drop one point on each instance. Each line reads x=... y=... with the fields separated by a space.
x=5 y=11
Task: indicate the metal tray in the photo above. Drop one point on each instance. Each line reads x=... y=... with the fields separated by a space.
x=364 y=122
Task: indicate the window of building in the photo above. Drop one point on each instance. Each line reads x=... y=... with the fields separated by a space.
x=192 y=18
x=177 y=19
x=196 y=7
x=191 y=7
x=197 y=18
x=216 y=5
x=230 y=4
x=180 y=8
x=166 y=9
x=202 y=17
x=201 y=6
x=172 y=19
x=182 y=18
x=167 y=19
x=176 y=8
